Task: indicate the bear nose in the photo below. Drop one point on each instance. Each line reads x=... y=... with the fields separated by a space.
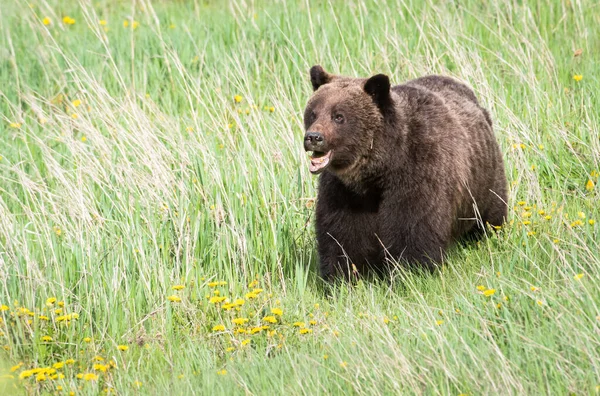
x=313 y=140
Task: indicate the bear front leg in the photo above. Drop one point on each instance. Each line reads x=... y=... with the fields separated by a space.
x=333 y=260
x=418 y=236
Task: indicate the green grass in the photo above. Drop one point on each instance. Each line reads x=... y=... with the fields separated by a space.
x=164 y=179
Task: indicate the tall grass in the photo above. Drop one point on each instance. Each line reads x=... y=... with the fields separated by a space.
x=168 y=151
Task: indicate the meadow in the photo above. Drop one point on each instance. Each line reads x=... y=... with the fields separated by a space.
x=157 y=212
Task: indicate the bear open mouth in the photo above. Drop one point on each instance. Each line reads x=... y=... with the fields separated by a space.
x=319 y=161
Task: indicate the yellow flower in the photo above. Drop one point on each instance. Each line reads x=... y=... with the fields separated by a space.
x=76 y=103
x=137 y=384
x=305 y=331
x=577 y=77
x=547 y=217
x=533 y=288
x=540 y=302
x=246 y=342
x=122 y=348
x=135 y=24
x=237 y=98
x=481 y=288
x=101 y=367
x=578 y=276
x=314 y=322
x=592 y=221
x=125 y=23
x=230 y=349
x=99 y=358
x=489 y=292
x=46 y=338
x=229 y=306
x=178 y=287
x=439 y=322
x=69 y=361
x=344 y=364
x=58 y=365
x=216 y=299
x=222 y=372
x=4 y=307
x=90 y=377
x=251 y=295
x=46 y=21
x=15 y=125
x=276 y=311
x=240 y=321
x=270 y=319
x=26 y=374
x=68 y=20
x=40 y=377
x=174 y=298
x=255 y=330
x=50 y=301
x=299 y=324
x=521 y=203
x=219 y=328
x=581 y=215
x=43 y=317
x=102 y=22
x=15 y=368
x=589 y=185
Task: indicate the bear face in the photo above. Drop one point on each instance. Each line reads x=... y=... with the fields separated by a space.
x=341 y=120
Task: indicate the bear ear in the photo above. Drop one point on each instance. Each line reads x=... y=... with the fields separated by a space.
x=378 y=87
x=318 y=77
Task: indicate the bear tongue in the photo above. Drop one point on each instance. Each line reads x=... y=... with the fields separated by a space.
x=317 y=164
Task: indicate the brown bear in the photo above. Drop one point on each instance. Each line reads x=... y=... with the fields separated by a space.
x=404 y=170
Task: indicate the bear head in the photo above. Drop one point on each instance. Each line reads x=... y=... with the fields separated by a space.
x=342 y=120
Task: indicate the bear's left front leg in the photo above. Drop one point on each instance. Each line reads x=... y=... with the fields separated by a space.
x=417 y=234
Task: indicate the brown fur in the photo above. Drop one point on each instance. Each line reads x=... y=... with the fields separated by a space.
x=411 y=169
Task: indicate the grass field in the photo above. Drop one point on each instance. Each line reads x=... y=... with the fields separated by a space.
x=156 y=208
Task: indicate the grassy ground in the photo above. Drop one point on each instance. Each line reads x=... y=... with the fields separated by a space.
x=151 y=165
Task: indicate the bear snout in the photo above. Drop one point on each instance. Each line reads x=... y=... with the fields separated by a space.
x=314 y=141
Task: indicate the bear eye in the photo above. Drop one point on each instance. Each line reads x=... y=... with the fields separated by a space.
x=338 y=118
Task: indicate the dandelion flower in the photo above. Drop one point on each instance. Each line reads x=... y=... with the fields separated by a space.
x=46 y=338
x=137 y=384
x=578 y=276
x=67 y=20
x=70 y=361
x=102 y=22
x=174 y=298
x=270 y=319
x=230 y=349
x=299 y=324
x=76 y=103
x=216 y=299
x=592 y=221
x=90 y=377
x=50 y=301
x=255 y=330
x=305 y=331
x=46 y=21
x=222 y=372
x=218 y=328
x=581 y=215
x=489 y=292
x=237 y=98
x=122 y=348
x=178 y=287
x=540 y=302
x=15 y=368
x=240 y=321
x=4 y=307
x=439 y=322
x=246 y=342
x=344 y=364
x=87 y=339
x=58 y=365
x=534 y=288
x=276 y=311
x=577 y=77
x=481 y=288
